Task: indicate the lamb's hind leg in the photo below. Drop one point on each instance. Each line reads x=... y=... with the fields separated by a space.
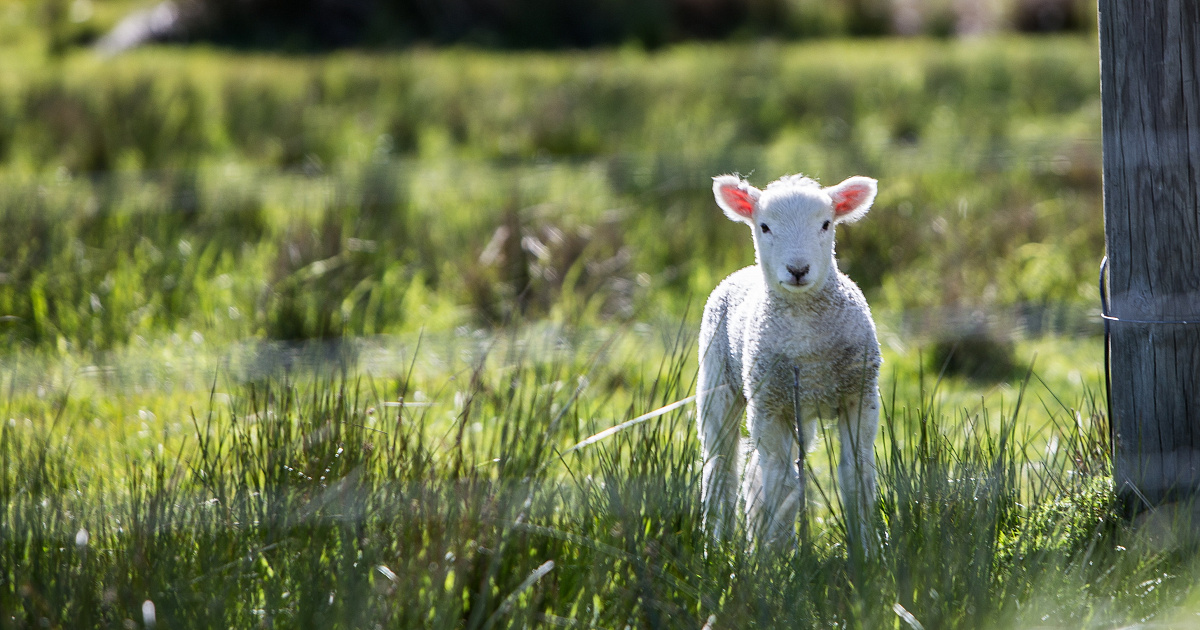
x=858 y=423
x=719 y=426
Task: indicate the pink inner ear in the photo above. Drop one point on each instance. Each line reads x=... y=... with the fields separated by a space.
x=738 y=199
x=849 y=198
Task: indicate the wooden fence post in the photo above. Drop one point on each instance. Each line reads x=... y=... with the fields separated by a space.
x=1150 y=94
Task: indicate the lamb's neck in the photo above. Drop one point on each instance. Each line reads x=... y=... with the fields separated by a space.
x=810 y=302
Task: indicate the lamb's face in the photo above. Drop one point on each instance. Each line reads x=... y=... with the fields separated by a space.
x=792 y=224
x=793 y=237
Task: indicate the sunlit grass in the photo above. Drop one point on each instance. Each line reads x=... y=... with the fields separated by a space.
x=427 y=495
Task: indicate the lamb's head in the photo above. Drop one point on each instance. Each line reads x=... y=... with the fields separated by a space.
x=792 y=223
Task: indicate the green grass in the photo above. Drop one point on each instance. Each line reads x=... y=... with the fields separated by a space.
x=174 y=190
x=343 y=502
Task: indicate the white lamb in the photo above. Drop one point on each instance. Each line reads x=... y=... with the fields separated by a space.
x=791 y=317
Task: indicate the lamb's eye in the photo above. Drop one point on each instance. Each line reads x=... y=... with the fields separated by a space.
x=825 y=227
x=765 y=229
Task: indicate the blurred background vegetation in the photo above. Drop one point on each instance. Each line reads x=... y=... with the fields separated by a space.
x=206 y=189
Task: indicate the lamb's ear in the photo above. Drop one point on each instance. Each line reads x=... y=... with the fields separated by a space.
x=852 y=198
x=736 y=197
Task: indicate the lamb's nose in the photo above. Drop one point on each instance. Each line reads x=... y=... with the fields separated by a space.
x=798 y=274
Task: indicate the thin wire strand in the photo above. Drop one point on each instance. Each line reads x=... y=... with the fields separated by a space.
x=1108 y=321
x=1191 y=321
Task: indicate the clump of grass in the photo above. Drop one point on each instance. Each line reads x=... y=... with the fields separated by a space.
x=335 y=502
x=92 y=266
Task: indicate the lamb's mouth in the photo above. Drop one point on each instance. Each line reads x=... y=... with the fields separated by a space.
x=798 y=287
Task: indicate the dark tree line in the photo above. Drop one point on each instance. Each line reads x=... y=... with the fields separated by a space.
x=498 y=23
x=323 y=24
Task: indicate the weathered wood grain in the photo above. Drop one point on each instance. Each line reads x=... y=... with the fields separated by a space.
x=1150 y=84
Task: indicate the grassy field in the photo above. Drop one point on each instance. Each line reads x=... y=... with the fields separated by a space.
x=299 y=341
x=333 y=504
x=389 y=193
x=459 y=501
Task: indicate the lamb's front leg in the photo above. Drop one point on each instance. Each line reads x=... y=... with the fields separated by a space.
x=719 y=425
x=772 y=486
x=858 y=422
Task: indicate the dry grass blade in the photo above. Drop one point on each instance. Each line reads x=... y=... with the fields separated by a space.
x=630 y=423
